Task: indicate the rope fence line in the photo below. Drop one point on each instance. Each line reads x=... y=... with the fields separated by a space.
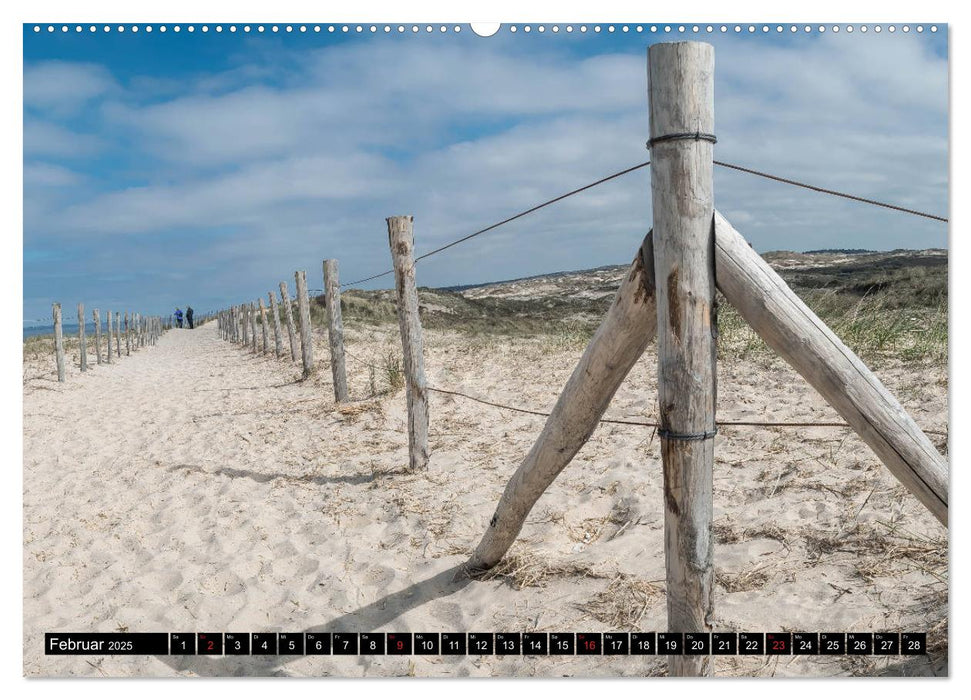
x=508 y=220
x=619 y=421
x=620 y=173
x=823 y=190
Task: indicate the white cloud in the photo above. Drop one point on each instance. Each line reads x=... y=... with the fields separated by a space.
x=42 y=138
x=461 y=135
x=64 y=87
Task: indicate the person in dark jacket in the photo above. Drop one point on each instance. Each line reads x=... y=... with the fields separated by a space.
x=188 y=316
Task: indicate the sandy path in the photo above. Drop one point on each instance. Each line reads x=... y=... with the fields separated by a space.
x=196 y=487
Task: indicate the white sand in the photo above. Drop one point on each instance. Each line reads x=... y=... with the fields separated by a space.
x=195 y=487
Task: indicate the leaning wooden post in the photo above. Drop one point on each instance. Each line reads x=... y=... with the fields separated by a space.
x=127 y=335
x=620 y=340
x=97 y=333
x=109 y=337
x=681 y=96
x=288 y=312
x=277 y=335
x=81 y=339
x=303 y=308
x=118 y=333
x=335 y=326
x=402 y=242
x=58 y=341
x=791 y=328
x=263 y=324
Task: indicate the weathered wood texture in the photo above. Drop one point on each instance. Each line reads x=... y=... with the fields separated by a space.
x=790 y=328
x=252 y=326
x=127 y=335
x=110 y=331
x=264 y=327
x=58 y=341
x=277 y=334
x=118 y=333
x=335 y=328
x=288 y=312
x=96 y=313
x=681 y=97
x=83 y=343
x=401 y=240
x=620 y=340
x=303 y=309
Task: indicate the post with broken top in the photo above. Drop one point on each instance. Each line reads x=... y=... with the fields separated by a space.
x=264 y=326
x=58 y=340
x=335 y=329
x=681 y=106
x=303 y=308
x=82 y=341
x=402 y=241
x=97 y=333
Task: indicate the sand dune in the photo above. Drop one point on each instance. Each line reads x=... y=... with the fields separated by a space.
x=196 y=487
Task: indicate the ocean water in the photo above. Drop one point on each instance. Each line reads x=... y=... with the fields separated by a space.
x=69 y=329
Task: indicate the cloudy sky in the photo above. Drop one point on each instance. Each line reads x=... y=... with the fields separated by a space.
x=203 y=169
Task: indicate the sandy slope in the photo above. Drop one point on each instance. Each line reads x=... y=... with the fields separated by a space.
x=196 y=487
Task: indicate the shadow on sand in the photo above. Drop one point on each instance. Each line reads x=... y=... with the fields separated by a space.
x=264 y=477
x=381 y=612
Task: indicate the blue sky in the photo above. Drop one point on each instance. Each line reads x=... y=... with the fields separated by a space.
x=204 y=168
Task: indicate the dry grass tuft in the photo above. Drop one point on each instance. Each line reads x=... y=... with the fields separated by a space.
x=622 y=604
x=750 y=580
x=883 y=551
x=522 y=569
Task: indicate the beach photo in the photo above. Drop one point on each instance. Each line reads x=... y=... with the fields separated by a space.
x=523 y=350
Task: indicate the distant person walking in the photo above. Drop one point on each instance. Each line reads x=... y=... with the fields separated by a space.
x=178 y=318
x=188 y=316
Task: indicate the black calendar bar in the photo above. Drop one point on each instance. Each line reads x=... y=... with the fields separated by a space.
x=485 y=643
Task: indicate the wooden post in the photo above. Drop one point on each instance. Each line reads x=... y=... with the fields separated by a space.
x=335 y=325
x=303 y=308
x=58 y=341
x=118 y=333
x=263 y=324
x=288 y=312
x=681 y=95
x=127 y=335
x=83 y=343
x=790 y=328
x=244 y=323
x=401 y=240
x=277 y=336
x=620 y=340
x=97 y=333
x=252 y=326
x=109 y=337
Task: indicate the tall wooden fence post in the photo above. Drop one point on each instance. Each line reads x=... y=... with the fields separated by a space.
x=110 y=331
x=263 y=325
x=288 y=312
x=335 y=326
x=81 y=339
x=681 y=95
x=127 y=334
x=97 y=333
x=303 y=308
x=252 y=326
x=58 y=341
x=402 y=242
x=277 y=336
